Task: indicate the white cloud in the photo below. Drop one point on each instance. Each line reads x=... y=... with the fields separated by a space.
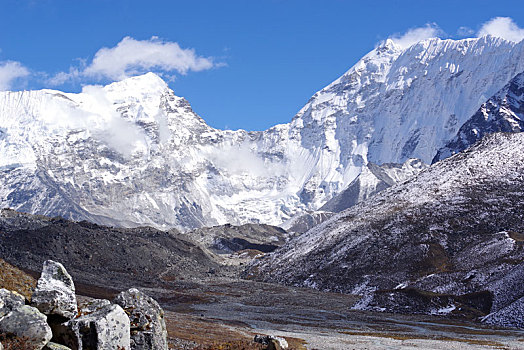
x=502 y=27
x=415 y=35
x=465 y=32
x=10 y=71
x=241 y=159
x=132 y=57
x=97 y=116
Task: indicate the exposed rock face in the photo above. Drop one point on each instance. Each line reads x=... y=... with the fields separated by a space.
x=27 y=322
x=503 y=112
x=55 y=291
x=9 y=300
x=106 y=327
x=148 y=328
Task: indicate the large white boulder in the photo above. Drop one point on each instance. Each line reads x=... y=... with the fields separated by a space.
x=55 y=291
x=28 y=323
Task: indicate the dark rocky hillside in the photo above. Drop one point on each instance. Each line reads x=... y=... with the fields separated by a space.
x=117 y=257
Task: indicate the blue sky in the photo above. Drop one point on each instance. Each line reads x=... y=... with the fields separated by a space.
x=254 y=63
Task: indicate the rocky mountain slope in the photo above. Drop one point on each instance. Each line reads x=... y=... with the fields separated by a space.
x=447 y=240
x=133 y=153
x=502 y=112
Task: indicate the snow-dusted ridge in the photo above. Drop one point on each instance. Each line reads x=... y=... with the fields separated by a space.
x=134 y=153
x=455 y=228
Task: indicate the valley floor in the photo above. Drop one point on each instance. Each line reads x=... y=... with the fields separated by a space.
x=218 y=311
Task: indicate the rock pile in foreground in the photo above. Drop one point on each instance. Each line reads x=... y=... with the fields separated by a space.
x=54 y=320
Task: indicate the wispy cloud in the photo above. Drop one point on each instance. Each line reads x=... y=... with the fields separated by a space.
x=502 y=27
x=414 y=35
x=132 y=57
x=465 y=32
x=10 y=72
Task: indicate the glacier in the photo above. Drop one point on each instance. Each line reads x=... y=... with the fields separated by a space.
x=133 y=153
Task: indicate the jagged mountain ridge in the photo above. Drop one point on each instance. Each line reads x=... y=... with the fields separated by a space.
x=454 y=228
x=504 y=112
x=133 y=153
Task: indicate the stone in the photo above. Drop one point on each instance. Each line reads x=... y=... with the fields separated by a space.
x=9 y=300
x=55 y=291
x=28 y=323
x=148 y=328
x=100 y=326
x=271 y=342
x=54 y=346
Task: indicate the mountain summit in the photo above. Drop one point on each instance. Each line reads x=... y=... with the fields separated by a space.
x=133 y=153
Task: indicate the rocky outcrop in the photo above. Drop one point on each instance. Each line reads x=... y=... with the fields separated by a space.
x=9 y=301
x=97 y=324
x=27 y=323
x=55 y=291
x=148 y=328
x=106 y=327
x=503 y=112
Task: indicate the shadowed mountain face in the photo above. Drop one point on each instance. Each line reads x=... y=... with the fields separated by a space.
x=504 y=112
x=99 y=255
x=453 y=229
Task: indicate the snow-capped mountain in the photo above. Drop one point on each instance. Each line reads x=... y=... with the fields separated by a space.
x=503 y=112
x=453 y=229
x=133 y=153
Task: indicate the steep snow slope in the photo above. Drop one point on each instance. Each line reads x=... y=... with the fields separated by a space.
x=454 y=228
x=502 y=112
x=134 y=153
x=373 y=179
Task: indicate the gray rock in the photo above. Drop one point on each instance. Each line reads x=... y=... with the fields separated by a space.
x=93 y=305
x=54 y=346
x=55 y=291
x=9 y=300
x=105 y=327
x=27 y=322
x=148 y=328
x=271 y=342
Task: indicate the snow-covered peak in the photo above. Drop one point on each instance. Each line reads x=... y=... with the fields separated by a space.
x=149 y=83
